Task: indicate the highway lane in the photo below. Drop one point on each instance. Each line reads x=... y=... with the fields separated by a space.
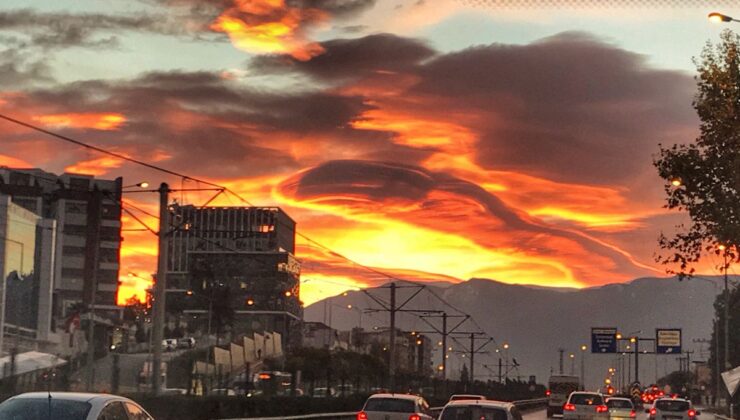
x=641 y=415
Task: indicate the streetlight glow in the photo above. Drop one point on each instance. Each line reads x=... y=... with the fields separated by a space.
x=716 y=17
x=506 y=346
x=676 y=182
x=583 y=347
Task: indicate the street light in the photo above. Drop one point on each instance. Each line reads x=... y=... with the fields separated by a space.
x=139 y=185
x=716 y=17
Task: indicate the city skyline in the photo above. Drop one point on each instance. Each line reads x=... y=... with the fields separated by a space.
x=434 y=142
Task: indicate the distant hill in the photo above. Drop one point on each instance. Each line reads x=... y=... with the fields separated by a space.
x=536 y=321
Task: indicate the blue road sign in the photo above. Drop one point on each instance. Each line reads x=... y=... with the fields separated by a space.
x=603 y=340
x=668 y=340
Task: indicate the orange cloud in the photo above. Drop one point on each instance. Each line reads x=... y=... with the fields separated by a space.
x=97 y=121
x=96 y=167
x=270 y=27
x=13 y=162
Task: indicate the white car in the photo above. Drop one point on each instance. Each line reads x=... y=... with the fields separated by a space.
x=585 y=406
x=458 y=397
x=395 y=407
x=621 y=408
x=672 y=409
x=480 y=409
x=71 y=406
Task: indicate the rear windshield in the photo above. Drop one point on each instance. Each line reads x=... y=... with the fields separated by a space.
x=390 y=405
x=40 y=408
x=619 y=403
x=473 y=413
x=672 y=405
x=586 y=399
x=465 y=397
x=563 y=387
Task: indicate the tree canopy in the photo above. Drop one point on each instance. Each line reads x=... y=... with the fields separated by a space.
x=702 y=178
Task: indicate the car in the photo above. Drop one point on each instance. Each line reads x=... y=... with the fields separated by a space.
x=585 y=406
x=169 y=344
x=672 y=409
x=186 y=343
x=395 y=407
x=480 y=409
x=222 y=391
x=71 y=406
x=559 y=388
x=323 y=392
x=458 y=397
x=621 y=408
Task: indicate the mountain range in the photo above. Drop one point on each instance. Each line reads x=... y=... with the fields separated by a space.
x=537 y=321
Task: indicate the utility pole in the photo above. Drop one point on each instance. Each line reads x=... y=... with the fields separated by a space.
x=500 y=365
x=561 y=351
x=392 y=339
x=444 y=332
x=637 y=359
x=392 y=309
x=160 y=287
x=475 y=350
x=93 y=253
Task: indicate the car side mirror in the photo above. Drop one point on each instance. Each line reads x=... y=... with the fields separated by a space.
x=698 y=413
x=647 y=410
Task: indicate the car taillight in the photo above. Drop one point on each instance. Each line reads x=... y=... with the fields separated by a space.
x=633 y=414
x=414 y=417
x=569 y=407
x=361 y=415
x=547 y=393
x=653 y=412
x=692 y=413
x=601 y=409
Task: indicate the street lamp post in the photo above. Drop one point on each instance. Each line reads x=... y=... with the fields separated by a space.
x=583 y=366
x=572 y=363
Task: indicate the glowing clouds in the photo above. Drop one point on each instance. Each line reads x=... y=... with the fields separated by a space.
x=105 y=122
x=271 y=27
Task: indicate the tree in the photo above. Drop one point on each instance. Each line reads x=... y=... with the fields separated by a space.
x=702 y=178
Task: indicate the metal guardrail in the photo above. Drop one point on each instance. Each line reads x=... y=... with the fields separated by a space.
x=522 y=405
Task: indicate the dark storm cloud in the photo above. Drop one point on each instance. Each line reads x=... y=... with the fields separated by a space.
x=570 y=107
x=353 y=57
x=340 y=8
x=203 y=120
x=18 y=70
x=60 y=30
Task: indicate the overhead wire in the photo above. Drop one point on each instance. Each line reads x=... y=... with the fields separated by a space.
x=184 y=177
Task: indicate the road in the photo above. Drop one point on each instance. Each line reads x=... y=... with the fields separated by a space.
x=542 y=415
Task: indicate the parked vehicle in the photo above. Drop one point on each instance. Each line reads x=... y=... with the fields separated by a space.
x=672 y=409
x=395 y=407
x=71 y=405
x=480 y=409
x=585 y=406
x=559 y=387
x=186 y=343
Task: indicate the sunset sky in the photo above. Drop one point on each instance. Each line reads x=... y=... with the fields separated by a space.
x=437 y=140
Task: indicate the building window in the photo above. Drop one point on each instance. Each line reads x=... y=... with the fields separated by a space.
x=80 y=184
x=75 y=207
